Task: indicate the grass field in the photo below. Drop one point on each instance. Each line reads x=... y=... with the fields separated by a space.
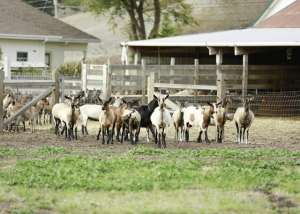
x=54 y=176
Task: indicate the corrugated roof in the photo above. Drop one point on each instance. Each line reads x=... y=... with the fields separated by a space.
x=289 y=17
x=231 y=38
x=20 y=20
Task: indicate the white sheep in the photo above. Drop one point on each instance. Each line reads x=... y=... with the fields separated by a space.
x=161 y=119
x=89 y=111
x=191 y=118
x=65 y=113
x=243 y=118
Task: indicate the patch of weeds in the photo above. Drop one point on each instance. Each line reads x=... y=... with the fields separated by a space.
x=7 y=152
x=49 y=151
x=140 y=150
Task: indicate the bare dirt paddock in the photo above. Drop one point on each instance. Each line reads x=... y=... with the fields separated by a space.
x=264 y=133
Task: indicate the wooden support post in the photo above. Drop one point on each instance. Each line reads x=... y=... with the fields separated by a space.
x=107 y=81
x=144 y=84
x=55 y=77
x=1 y=99
x=245 y=76
x=150 y=88
x=62 y=88
x=196 y=69
x=172 y=72
x=84 y=76
x=220 y=76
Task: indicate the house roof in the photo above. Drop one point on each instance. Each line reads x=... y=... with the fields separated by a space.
x=274 y=7
x=267 y=37
x=19 y=20
x=288 y=17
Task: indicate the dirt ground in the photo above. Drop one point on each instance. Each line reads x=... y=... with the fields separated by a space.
x=264 y=133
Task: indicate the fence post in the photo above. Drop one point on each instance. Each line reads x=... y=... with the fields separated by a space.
x=84 y=76
x=144 y=83
x=150 y=88
x=172 y=72
x=7 y=69
x=107 y=81
x=1 y=99
x=62 y=88
x=55 y=78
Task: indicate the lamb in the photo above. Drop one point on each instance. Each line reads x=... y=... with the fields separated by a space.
x=131 y=120
x=220 y=118
x=106 y=122
x=178 y=122
x=65 y=113
x=161 y=119
x=243 y=118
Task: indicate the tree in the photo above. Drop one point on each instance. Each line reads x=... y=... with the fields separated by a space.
x=145 y=16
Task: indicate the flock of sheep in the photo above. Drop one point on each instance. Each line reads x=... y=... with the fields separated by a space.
x=123 y=120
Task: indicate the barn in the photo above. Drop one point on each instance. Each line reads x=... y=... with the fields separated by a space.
x=264 y=57
x=30 y=38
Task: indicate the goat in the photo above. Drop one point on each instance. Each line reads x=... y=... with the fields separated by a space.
x=191 y=118
x=118 y=112
x=220 y=117
x=131 y=120
x=243 y=118
x=178 y=122
x=65 y=113
x=106 y=122
x=146 y=112
x=89 y=111
x=205 y=118
x=161 y=119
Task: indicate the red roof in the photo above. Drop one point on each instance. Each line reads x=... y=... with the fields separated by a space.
x=286 y=18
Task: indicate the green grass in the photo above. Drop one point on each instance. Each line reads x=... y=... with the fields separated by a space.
x=177 y=180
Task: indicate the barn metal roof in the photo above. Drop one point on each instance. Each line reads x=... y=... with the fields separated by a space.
x=289 y=17
x=265 y=37
x=19 y=20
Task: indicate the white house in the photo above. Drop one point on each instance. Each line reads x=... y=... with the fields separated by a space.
x=30 y=38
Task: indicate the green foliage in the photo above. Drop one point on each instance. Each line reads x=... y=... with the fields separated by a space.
x=70 y=69
x=6 y=152
x=226 y=169
x=71 y=2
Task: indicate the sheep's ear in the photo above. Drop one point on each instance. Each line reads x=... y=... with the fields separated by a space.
x=124 y=101
x=67 y=97
x=155 y=97
x=109 y=100
x=219 y=103
x=208 y=103
x=166 y=97
x=100 y=100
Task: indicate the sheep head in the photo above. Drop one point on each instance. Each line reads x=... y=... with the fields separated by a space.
x=162 y=101
x=106 y=104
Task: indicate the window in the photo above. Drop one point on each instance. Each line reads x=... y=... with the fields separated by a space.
x=22 y=56
x=48 y=59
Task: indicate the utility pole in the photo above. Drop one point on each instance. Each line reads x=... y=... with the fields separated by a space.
x=55 y=4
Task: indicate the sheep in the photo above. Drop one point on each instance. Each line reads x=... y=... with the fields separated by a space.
x=220 y=117
x=131 y=120
x=106 y=122
x=178 y=122
x=89 y=111
x=118 y=112
x=205 y=119
x=243 y=118
x=161 y=119
x=191 y=118
x=65 y=113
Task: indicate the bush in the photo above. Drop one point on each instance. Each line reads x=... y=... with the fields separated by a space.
x=70 y=69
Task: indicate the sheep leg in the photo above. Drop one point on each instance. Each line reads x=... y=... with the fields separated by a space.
x=244 y=141
x=164 y=138
x=148 y=135
x=247 y=136
x=152 y=130
x=222 y=134
x=24 y=128
x=110 y=136
x=122 y=134
x=187 y=135
x=159 y=140
x=217 y=134
x=98 y=135
x=75 y=133
x=86 y=131
x=206 y=137
x=199 y=139
x=103 y=134
x=137 y=134
x=118 y=132
x=237 y=132
x=240 y=135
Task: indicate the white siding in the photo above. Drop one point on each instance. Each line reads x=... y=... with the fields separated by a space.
x=35 y=49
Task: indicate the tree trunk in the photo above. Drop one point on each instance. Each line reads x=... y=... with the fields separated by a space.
x=157 y=13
